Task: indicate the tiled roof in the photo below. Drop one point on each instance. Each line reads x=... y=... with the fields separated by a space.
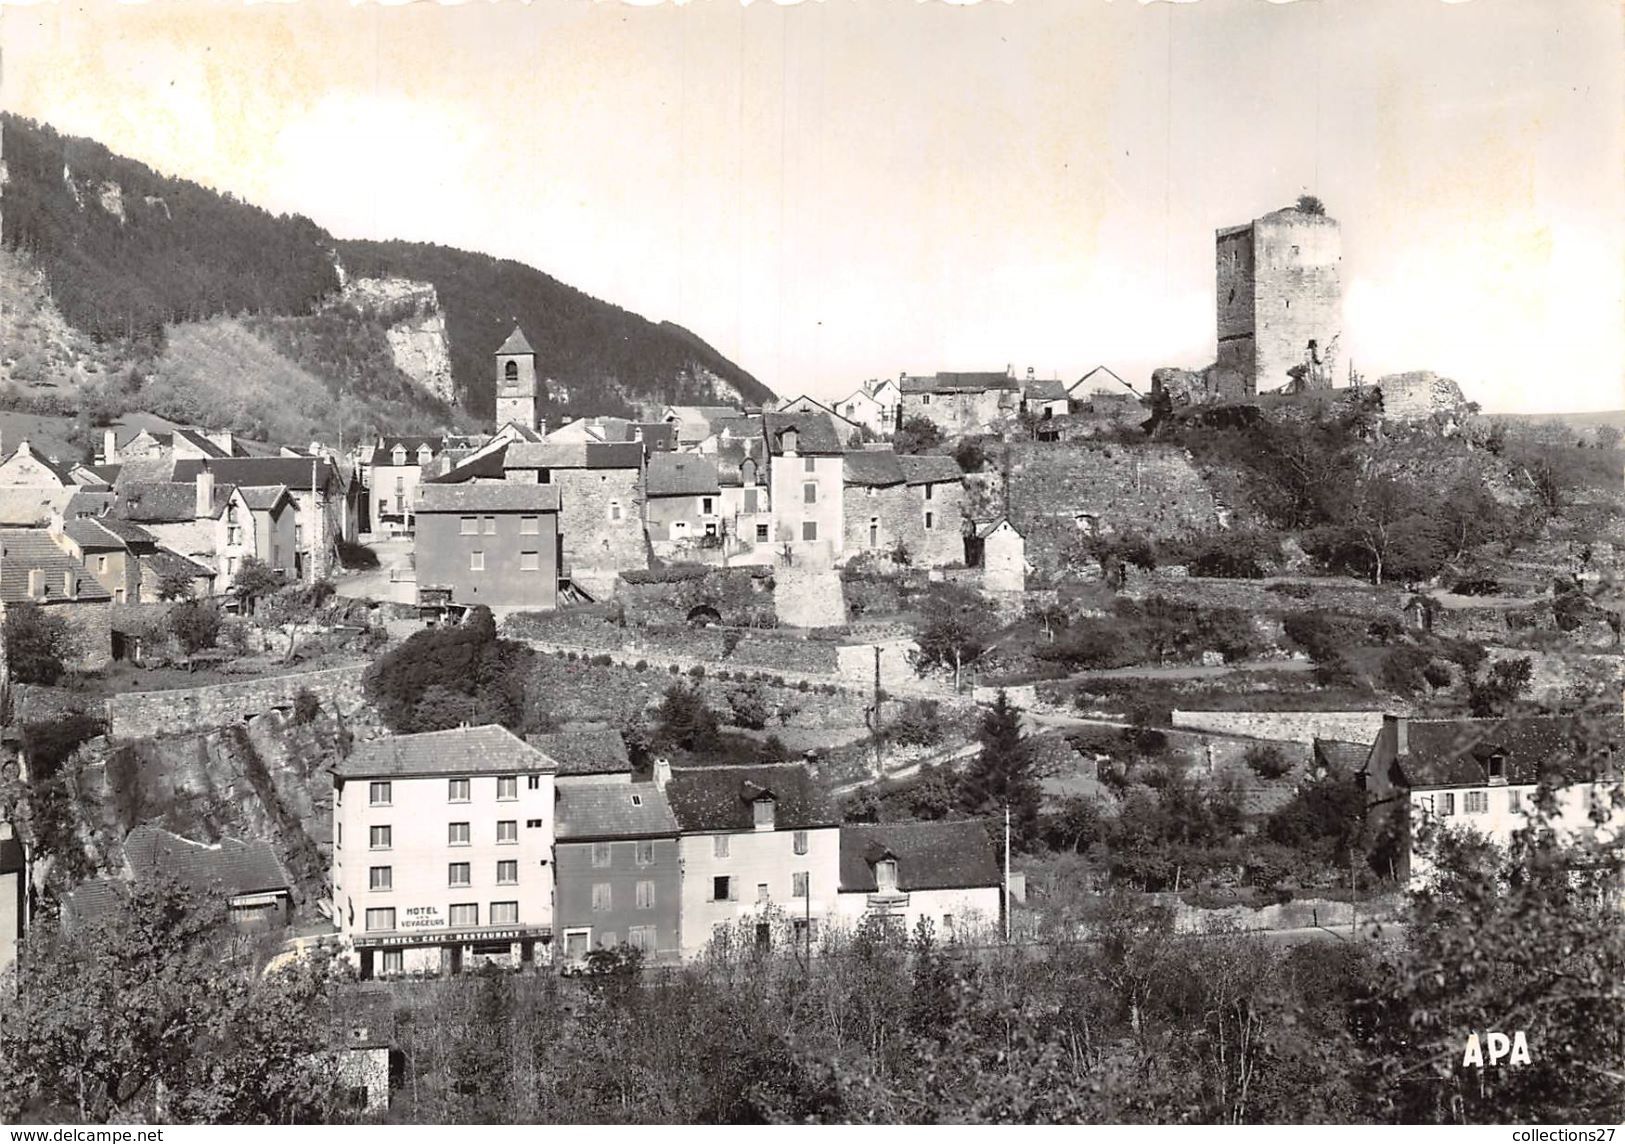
x=589 y=750
x=363 y=1016
x=108 y=473
x=982 y=529
x=88 y=502
x=487 y=466
x=165 y=502
x=227 y=867
x=1341 y=757
x=816 y=433
x=386 y=445
x=613 y=810
x=720 y=798
x=1101 y=376
x=61 y=472
x=91 y=536
x=657 y=436
x=516 y=343
x=974 y=382
x=165 y=561
x=295 y=472
x=201 y=443
x=131 y=534
x=731 y=455
x=91 y=901
x=573 y=455
x=931 y=469
x=1045 y=389
x=930 y=855
x=1456 y=752
x=873 y=467
x=25 y=549
x=681 y=474
x=479 y=496
x=26 y=507
x=486 y=750
x=263 y=498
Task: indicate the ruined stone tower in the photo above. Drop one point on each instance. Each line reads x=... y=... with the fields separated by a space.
x=1280 y=290
x=516 y=382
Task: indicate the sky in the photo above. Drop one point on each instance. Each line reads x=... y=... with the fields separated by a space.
x=839 y=190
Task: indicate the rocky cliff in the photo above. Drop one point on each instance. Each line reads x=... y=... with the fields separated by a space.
x=418 y=342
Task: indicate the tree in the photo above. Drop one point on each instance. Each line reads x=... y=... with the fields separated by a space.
x=1468 y=516
x=1003 y=776
x=293 y=607
x=957 y=631
x=1267 y=761
x=1309 y=204
x=467 y=660
x=916 y=435
x=1386 y=520
x=195 y=624
x=175 y=584
x=1498 y=690
x=37 y=644
x=685 y=720
x=256 y=579
x=971 y=455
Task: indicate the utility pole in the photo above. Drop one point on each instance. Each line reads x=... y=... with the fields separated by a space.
x=315 y=513
x=879 y=741
x=1006 y=873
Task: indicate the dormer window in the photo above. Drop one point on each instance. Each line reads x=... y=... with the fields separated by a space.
x=763 y=809
x=1497 y=767
x=886 y=876
x=424 y=455
x=399 y=455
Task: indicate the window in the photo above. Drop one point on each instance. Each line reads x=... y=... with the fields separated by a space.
x=762 y=813
x=231 y=566
x=809 y=530
x=761 y=893
x=507 y=831
x=809 y=493
x=806 y=930
x=381 y=878
x=457 y=834
x=507 y=787
x=533 y=824
x=380 y=920
x=530 y=525
x=615 y=512
x=603 y=898
x=809 y=464
x=338 y=835
x=798 y=884
x=465 y=914
x=925 y=399
x=1477 y=802
x=379 y=837
x=459 y=874
x=800 y=841
x=719 y=846
x=398 y=455
x=601 y=854
x=457 y=790
x=575 y=942
x=948 y=924
x=534 y=782
x=470 y=526
x=234 y=536
x=641 y=937
x=886 y=875
x=378 y=794
x=761 y=532
x=928 y=521
x=928 y=489
x=722 y=888
x=645 y=852
x=504 y=913
x=488 y=525
x=299 y=535
x=646 y=895
x=508 y=872
x=476 y=561
x=394 y=961
x=400 y=487
x=510 y=371
x=101 y=564
x=1447 y=804
x=530 y=562
x=707 y=506
x=1515 y=801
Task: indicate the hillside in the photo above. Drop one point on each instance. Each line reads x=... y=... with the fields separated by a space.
x=107 y=260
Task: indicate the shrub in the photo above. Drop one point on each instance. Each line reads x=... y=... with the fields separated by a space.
x=306 y=706
x=1337 y=670
x=1267 y=761
x=696 y=672
x=1437 y=673
x=749 y=707
x=1402 y=670
x=356 y=556
x=918 y=724
x=1239 y=554
x=36 y=644
x=803 y=686
x=195 y=625
x=603 y=661
x=1320 y=633
x=641 y=665
x=1292 y=590
x=1385 y=629
x=444 y=676
x=675 y=670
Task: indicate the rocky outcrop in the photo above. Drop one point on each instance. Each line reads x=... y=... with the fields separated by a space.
x=1419 y=395
x=415 y=328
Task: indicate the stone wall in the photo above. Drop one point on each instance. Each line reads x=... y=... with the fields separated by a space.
x=89 y=645
x=1297 y=290
x=1298 y=726
x=726 y=648
x=1151 y=489
x=595 y=539
x=1420 y=394
x=153 y=714
x=742 y=597
x=856 y=663
x=1351 y=597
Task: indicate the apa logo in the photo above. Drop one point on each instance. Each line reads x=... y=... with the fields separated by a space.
x=1515 y=1050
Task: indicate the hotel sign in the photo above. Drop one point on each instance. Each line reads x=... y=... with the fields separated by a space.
x=454 y=937
x=422 y=917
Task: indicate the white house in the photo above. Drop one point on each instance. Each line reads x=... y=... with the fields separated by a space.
x=760 y=854
x=442 y=851
x=944 y=872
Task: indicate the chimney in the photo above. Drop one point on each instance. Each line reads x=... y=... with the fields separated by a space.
x=36 y=583
x=662 y=772
x=1402 y=738
x=204 y=505
x=222 y=437
x=109 y=447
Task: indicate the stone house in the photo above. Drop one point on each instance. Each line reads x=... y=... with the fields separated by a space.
x=326 y=499
x=35 y=569
x=1044 y=398
x=492 y=543
x=874 y=405
x=601 y=489
x=960 y=404
x=747 y=511
x=24 y=467
x=257 y=890
x=696 y=422
x=944 y=873
x=218 y=526
x=390 y=473
x=878 y=509
x=683 y=503
x=805 y=461
x=618 y=875
x=105 y=555
x=936 y=487
x=846 y=426
x=1099 y=380
x=759 y=850
x=997 y=548
x=1481 y=776
x=159 y=563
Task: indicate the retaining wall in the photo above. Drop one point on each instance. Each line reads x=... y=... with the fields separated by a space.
x=152 y=714
x=1300 y=726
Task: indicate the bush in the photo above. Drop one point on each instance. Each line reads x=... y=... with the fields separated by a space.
x=445 y=676
x=1337 y=670
x=918 y=724
x=685 y=720
x=1320 y=633
x=1402 y=670
x=1437 y=673
x=1385 y=629
x=1292 y=590
x=696 y=672
x=195 y=625
x=971 y=455
x=603 y=660
x=1239 y=554
x=36 y=644
x=356 y=556
x=1267 y=761
x=749 y=707
x=306 y=706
